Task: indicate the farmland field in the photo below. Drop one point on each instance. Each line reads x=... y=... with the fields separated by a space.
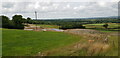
x=113 y=27
x=71 y=42
x=84 y=48
x=0 y=42
x=56 y=28
x=26 y=43
x=48 y=26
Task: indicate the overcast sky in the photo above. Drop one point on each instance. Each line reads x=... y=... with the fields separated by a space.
x=60 y=8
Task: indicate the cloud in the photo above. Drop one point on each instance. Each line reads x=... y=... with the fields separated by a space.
x=55 y=6
x=8 y=5
x=68 y=6
x=36 y=5
x=102 y=4
x=79 y=8
x=60 y=9
x=60 y=0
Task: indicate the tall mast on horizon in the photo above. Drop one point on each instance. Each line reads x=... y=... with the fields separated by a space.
x=36 y=18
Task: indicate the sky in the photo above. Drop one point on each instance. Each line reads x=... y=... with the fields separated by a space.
x=51 y=9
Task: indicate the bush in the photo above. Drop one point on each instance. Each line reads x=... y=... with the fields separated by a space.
x=72 y=26
x=5 y=21
x=10 y=24
x=19 y=26
x=105 y=25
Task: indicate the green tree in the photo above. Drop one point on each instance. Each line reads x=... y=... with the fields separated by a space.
x=105 y=25
x=5 y=21
x=24 y=20
x=29 y=20
x=18 y=20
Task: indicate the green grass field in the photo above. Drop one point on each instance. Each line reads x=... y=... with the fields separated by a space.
x=86 y=48
x=113 y=27
x=0 y=42
x=28 y=43
x=48 y=26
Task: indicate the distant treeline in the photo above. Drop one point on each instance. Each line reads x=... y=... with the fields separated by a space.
x=76 y=23
x=82 y=21
x=18 y=22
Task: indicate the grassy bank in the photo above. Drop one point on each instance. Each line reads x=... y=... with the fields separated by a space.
x=28 y=43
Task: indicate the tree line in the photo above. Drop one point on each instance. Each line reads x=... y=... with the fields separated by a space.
x=17 y=22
